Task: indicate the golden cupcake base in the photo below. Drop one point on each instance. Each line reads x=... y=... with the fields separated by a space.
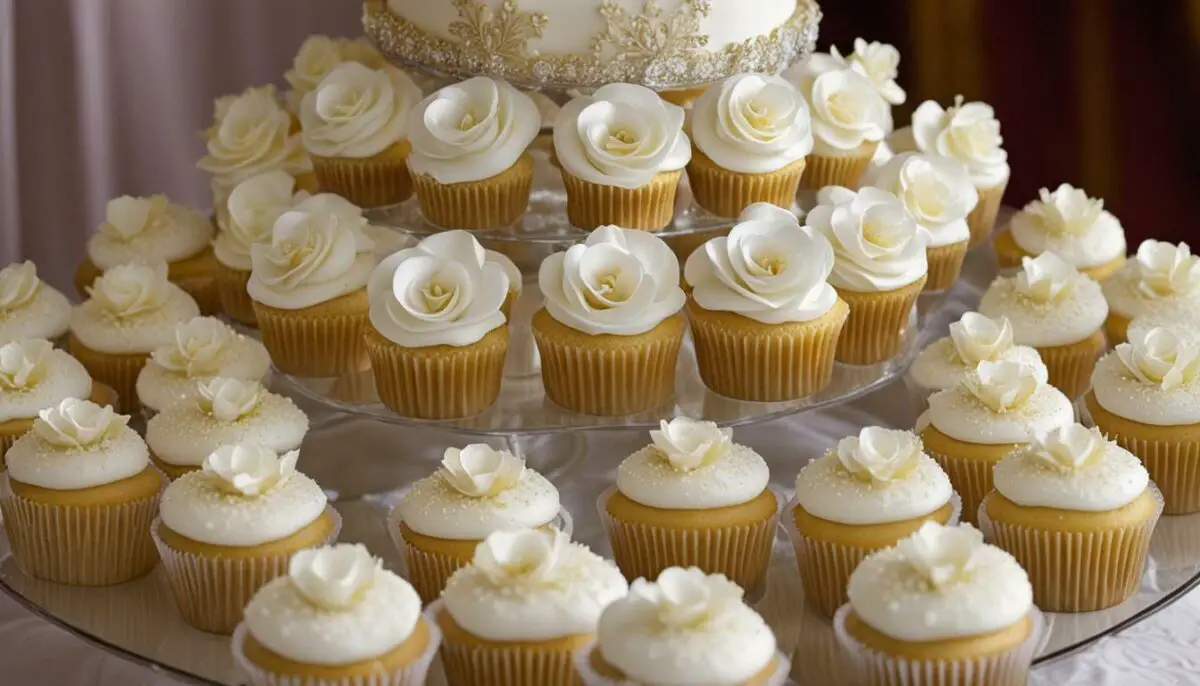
x=650 y=207
x=1009 y=256
x=382 y=179
x=1070 y=366
x=490 y=203
x=838 y=170
x=1116 y=328
x=726 y=193
x=945 y=264
x=235 y=301
x=875 y=329
x=982 y=220
x=117 y=371
x=969 y=466
x=319 y=341
x=471 y=659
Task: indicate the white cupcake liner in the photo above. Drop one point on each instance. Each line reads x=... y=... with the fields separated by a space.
x=211 y=592
x=1077 y=571
x=583 y=665
x=825 y=567
x=871 y=667
x=411 y=675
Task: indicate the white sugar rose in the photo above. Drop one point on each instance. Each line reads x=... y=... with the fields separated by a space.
x=1161 y=357
x=1066 y=211
x=252 y=135
x=977 y=338
x=876 y=243
x=967 y=132
x=23 y=363
x=471 y=131
x=199 y=344
x=528 y=556
x=78 y=423
x=619 y=282
x=942 y=555
x=1003 y=386
x=228 y=400
x=127 y=217
x=847 y=111
x=622 y=135
x=129 y=290
x=879 y=62
x=253 y=206
x=936 y=191
x=333 y=577
x=317 y=56
x=879 y=455
x=357 y=111
x=689 y=444
x=480 y=471
x=752 y=123
x=685 y=598
x=19 y=283
x=1046 y=278
x=1165 y=270
x=1066 y=449
x=249 y=470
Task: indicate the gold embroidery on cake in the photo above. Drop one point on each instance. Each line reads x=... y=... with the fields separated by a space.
x=648 y=36
x=486 y=36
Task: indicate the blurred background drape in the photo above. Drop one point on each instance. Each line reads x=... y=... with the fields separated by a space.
x=103 y=97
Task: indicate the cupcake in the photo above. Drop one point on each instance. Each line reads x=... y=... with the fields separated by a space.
x=750 y=135
x=1076 y=511
x=29 y=307
x=355 y=128
x=204 y=347
x=442 y=518
x=938 y=193
x=940 y=608
x=131 y=312
x=1145 y=395
x=879 y=268
x=222 y=411
x=317 y=56
x=336 y=618
x=996 y=408
x=225 y=531
x=469 y=161
x=1058 y=311
x=692 y=498
x=1163 y=279
x=78 y=497
x=866 y=494
x=308 y=288
x=764 y=320
x=517 y=614
x=622 y=150
x=685 y=628
x=610 y=332
x=1069 y=224
x=1185 y=325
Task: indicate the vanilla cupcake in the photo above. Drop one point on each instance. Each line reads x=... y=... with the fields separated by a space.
x=764 y=320
x=610 y=332
x=941 y=607
x=869 y=492
x=1184 y=324
x=938 y=193
x=1069 y=224
x=317 y=56
x=308 y=287
x=515 y=616
x=469 y=161
x=692 y=498
x=29 y=307
x=225 y=531
x=222 y=411
x=437 y=337
x=1145 y=395
x=1058 y=311
x=78 y=497
x=683 y=629
x=1077 y=512
x=442 y=518
x=879 y=268
x=1163 y=280
x=133 y=310
x=849 y=119
x=355 y=126
x=204 y=347
x=622 y=150
x=336 y=618
x=750 y=135
x=996 y=408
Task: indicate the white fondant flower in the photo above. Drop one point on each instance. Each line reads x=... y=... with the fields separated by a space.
x=228 y=400
x=1046 y=278
x=685 y=598
x=19 y=282
x=127 y=217
x=252 y=134
x=1161 y=357
x=255 y=204
x=942 y=555
x=967 y=132
x=357 y=111
x=334 y=577
x=752 y=123
x=1002 y=386
x=198 y=347
x=1066 y=448
x=1165 y=269
x=978 y=338
x=78 y=424
x=876 y=243
x=879 y=455
x=528 y=556
x=881 y=63
x=128 y=290
x=480 y=471
x=847 y=110
x=317 y=56
x=1068 y=211
x=249 y=470
x=689 y=444
x=936 y=191
x=23 y=363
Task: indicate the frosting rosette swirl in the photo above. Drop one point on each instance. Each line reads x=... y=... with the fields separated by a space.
x=689 y=444
x=622 y=135
x=942 y=555
x=526 y=556
x=847 y=111
x=879 y=455
x=253 y=207
x=1046 y=278
x=356 y=111
x=198 y=347
x=1166 y=270
x=129 y=290
x=76 y=423
x=879 y=62
x=1161 y=357
x=1067 y=448
x=251 y=134
x=752 y=124
x=127 y=217
x=249 y=470
x=333 y=577
x=480 y=471
x=967 y=132
x=936 y=191
x=876 y=244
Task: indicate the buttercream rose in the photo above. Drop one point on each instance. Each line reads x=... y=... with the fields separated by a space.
x=253 y=206
x=527 y=556
x=689 y=444
x=252 y=134
x=23 y=363
x=967 y=132
x=227 y=399
x=1003 y=386
x=356 y=111
x=876 y=243
x=334 y=577
x=942 y=555
x=249 y=470
x=1161 y=357
x=131 y=289
x=1070 y=224
x=977 y=338
x=879 y=455
x=685 y=598
x=1046 y=278
x=847 y=111
x=936 y=191
x=1067 y=448
x=1165 y=270
x=76 y=423
x=198 y=347
x=752 y=124
x=318 y=55
x=479 y=471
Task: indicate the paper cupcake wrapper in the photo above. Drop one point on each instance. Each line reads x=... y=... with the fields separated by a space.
x=982 y=219
x=366 y=182
x=413 y=674
x=651 y=207
x=211 y=592
x=490 y=203
x=742 y=553
x=945 y=263
x=726 y=193
x=118 y=372
x=314 y=345
x=1079 y=571
x=842 y=170
x=6 y=441
x=825 y=566
x=235 y=301
x=1174 y=465
x=1071 y=366
x=583 y=665
x=874 y=331
x=761 y=362
x=875 y=668
x=441 y=382
x=972 y=481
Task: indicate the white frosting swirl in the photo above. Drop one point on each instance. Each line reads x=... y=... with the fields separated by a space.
x=752 y=124
x=622 y=135
x=251 y=134
x=768 y=268
x=254 y=205
x=967 y=132
x=940 y=583
x=1164 y=391
x=30 y=308
x=1000 y=402
x=876 y=244
x=619 y=281
x=974 y=338
x=77 y=444
x=1048 y=302
x=148 y=230
x=683 y=629
x=34 y=376
x=936 y=191
x=317 y=56
x=204 y=347
x=133 y=309
x=1071 y=225
x=847 y=110
x=357 y=111
x=435 y=507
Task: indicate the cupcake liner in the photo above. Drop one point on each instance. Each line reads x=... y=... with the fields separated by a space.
x=1077 y=571
x=413 y=674
x=1116 y=328
x=875 y=668
x=367 y=182
x=982 y=219
x=590 y=677
x=650 y=207
x=211 y=592
x=235 y=301
x=874 y=331
x=318 y=341
x=838 y=170
x=971 y=478
x=438 y=382
x=740 y=552
x=608 y=376
x=81 y=546
x=825 y=566
x=118 y=372
x=1071 y=366
x=744 y=359
x=490 y=203
x=726 y=193
x=945 y=263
